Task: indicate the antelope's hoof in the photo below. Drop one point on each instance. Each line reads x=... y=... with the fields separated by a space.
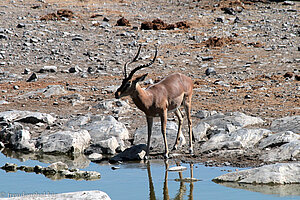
x=175 y=147
x=166 y=156
x=191 y=151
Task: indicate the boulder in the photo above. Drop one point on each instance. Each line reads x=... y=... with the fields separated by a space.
x=26 y=117
x=9 y=167
x=104 y=128
x=53 y=90
x=16 y=137
x=95 y=157
x=74 y=161
x=236 y=119
x=201 y=114
x=115 y=105
x=81 y=195
x=26 y=168
x=48 y=69
x=286 y=152
x=58 y=166
x=200 y=131
x=78 y=121
x=21 y=140
x=289 y=123
x=9 y=130
x=280 y=173
x=55 y=171
x=157 y=142
x=49 y=91
x=278 y=139
x=64 y=142
x=242 y=138
x=108 y=146
x=134 y=153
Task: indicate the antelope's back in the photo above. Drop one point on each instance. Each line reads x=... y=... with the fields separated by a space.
x=176 y=84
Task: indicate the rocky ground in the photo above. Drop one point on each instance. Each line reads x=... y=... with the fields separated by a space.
x=242 y=55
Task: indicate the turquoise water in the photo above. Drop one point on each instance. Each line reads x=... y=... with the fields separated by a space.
x=133 y=181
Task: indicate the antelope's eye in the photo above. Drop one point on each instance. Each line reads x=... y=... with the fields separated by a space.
x=127 y=85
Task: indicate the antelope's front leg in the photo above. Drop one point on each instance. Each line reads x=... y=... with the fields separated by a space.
x=163 y=119
x=149 y=125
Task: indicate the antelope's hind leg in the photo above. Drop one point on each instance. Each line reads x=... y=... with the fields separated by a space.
x=180 y=120
x=187 y=106
x=163 y=119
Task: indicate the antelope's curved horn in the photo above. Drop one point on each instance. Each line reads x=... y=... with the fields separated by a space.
x=143 y=66
x=129 y=62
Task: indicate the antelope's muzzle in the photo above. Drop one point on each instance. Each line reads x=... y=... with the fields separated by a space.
x=117 y=95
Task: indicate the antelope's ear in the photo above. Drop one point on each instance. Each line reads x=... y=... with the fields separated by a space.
x=140 y=78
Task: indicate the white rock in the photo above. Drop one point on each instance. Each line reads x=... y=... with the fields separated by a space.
x=78 y=121
x=3 y=102
x=58 y=166
x=53 y=90
x=157 y=142
x=242 y=138
x=286 y=152
x=109 y=146
x=65 y=142
x=280 y=173
x=26 y=116
x=290 y=123
x=105 y=128
x=21 y=140
x=278 y=139
x=177 y=168
x=200 y=131
x=48 y=69
x=116 y=105
x=236 y=119
x=95 y=157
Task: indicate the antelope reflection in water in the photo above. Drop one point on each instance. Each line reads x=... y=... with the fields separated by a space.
x=182 y=188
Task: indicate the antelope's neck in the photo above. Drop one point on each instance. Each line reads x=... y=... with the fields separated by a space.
x=142 y=98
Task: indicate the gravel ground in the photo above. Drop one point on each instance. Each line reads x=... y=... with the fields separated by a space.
x=251 y=48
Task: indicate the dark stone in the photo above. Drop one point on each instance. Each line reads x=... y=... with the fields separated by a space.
x=237 y=20
x=130 y=154
x=288 y=75
x=247 y=96
x=32 y=78
x=9 y=167
x=2 y=36
x=147 y=25
x=123 y=22
x=210 y=71
x=77 y=39
x=21 y=25
x=229 y=11
x=207 y=58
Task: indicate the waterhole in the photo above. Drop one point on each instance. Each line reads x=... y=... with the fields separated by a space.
x=134 y=180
